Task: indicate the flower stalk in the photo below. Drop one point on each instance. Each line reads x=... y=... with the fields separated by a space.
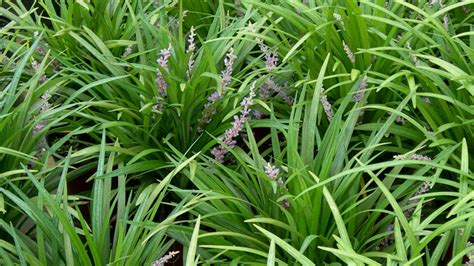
x=232 y=133
x=226 y=76
x=160 y=80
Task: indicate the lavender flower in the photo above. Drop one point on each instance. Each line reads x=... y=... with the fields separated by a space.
x=127 y=51
x=271 y=62
x=419 y=157
x=348 y=51
x=232 y=133
x=446 y=22
x=41 y=50
x=257 y=114
x=190 y=51
x=210 y=110
x=227 y=73
x=400 y=120
x=413 y=58
x=281 y=181
x=271 y=59
x=56 y=65
x=326 y=105
x=163 y=62
x=211 y=99
x=360 y=90
x=280 y=91
x=338 y=18
x=35 y=65
x=285 y=203
x=427 y=100
x=271 y=171
x=215 y=96
x=415 y=156
x=264 y=90
x=44 y=107
x=166 y=258
x=191 y=43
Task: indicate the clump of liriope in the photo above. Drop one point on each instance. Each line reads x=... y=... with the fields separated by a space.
x=232 y=133
x=226 y=76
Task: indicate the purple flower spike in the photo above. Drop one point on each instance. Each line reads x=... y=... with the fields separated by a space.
x=232 y=133
x=165 y=259
x=128 y=51
x=226 y=77
x=271 y=62
x=163 y=62
x=190 y=51
x=349 y=52
x=271 y=171
x=360 y=90
x=227 y=73
x=326 y=106
x=35 y=65
x=285 y=203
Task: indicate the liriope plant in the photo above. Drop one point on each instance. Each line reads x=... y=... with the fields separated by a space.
x=308 y=192
x=371 y=208
x=113 y=223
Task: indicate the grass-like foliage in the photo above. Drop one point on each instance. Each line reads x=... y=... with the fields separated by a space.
x=238 y=132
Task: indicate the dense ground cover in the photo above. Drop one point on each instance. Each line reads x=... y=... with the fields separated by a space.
x=237 y=132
